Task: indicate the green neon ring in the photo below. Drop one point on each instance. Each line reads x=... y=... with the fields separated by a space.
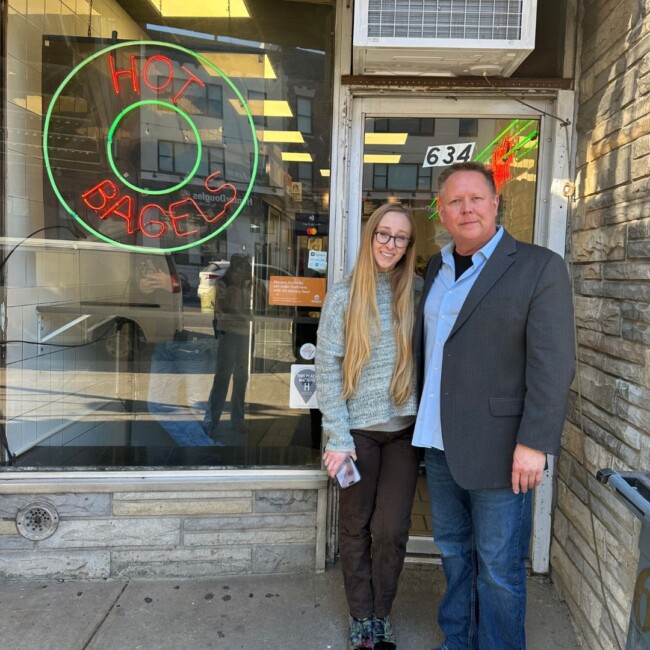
x=99 y=235
x=182 y=113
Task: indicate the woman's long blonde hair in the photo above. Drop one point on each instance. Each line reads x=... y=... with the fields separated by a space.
x=362 y=322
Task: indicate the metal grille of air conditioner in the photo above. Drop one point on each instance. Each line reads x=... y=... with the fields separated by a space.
x=445 y=19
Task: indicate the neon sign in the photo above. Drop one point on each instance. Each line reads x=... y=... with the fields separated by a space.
x=175 y=210
x=501 y=162
x=105 y=200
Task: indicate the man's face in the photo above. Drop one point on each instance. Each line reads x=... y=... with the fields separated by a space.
x=468 y=209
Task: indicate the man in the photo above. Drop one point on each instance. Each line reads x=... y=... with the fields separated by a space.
x=238 y=298
x=495 y=352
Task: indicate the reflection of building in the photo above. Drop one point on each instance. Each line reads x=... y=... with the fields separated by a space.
x=333 y=144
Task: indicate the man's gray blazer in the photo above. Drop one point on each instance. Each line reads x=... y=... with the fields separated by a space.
x=507 y=365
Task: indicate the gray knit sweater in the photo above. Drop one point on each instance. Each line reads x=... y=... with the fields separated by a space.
x=372 y=403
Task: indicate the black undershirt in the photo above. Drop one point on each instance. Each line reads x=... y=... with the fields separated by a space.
x=461 y=263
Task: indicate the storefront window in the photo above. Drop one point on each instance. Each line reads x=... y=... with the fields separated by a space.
x=165 y=232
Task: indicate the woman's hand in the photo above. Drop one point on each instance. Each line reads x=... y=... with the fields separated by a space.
x=334 y=459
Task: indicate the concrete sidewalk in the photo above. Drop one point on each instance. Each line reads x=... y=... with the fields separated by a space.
x=271 y=612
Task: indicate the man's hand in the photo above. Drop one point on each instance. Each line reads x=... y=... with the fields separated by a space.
x=334 y=459
x=527 y=468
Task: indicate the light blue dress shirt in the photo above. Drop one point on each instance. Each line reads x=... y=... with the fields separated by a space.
x=443 y=304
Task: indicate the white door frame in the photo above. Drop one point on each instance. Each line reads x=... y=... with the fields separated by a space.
x=551 y=203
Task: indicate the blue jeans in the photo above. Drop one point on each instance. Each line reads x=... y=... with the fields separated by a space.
x=178 y=386
x=232 y=361
x=483 y=536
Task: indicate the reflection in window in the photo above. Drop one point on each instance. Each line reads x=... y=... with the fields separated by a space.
x=404 y=176
x=120 y=342
x=468 y=128
x=262 y=177
x=214 y=101
x=305 y=174
x=410 y=125
x=257 y=96
x=166 y=156
x=303 y=114
x=180 y=157
x=215 y=162
x=195 y=99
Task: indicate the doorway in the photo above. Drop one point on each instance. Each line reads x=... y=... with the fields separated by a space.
x=399 y=147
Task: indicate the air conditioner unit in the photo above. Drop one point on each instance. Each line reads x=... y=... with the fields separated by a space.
x=442 y=37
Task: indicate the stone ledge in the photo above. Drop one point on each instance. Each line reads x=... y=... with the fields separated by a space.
x=166 y=481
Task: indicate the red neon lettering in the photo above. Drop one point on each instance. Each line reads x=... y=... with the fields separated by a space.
x=216 y=191
x=104 y=194
x=170 y=75
x=187 y=83
x=146 y=224
x=104 y=199
x=127 y=216
x=175 y=218
x=502 y=163
x=129 y=73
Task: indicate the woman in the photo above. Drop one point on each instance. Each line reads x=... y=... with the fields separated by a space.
x=365 y=378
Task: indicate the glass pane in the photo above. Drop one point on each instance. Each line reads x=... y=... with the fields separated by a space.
x=402 y=162
x=155 y=199
x=395 y=154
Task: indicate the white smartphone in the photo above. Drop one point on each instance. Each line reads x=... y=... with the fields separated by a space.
x=348 y=474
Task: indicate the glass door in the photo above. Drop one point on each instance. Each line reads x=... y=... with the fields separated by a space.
x=404 y=145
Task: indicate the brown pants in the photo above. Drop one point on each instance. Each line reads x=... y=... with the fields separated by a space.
x=374 y=519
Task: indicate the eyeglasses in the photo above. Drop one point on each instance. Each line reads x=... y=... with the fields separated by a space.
x=384 y=238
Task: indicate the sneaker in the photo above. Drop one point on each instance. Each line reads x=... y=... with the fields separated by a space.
x=382 y=634
x=360 y=635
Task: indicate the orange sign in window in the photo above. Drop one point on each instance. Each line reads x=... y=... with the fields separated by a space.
x=296 y=292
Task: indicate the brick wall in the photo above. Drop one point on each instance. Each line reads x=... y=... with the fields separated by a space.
x=181 y=531
x=594 y=552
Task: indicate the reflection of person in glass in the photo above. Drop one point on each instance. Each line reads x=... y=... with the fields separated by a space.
x=178 y=367
x=237 y=294
x=365 y=379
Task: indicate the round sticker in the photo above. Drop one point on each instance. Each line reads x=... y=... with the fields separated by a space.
x=308 y=351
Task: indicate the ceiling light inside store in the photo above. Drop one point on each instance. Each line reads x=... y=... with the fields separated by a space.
x=386 y=159
x=325 y=173
x=290 y=156
x=248 y=66
x=280 y=136
x=386 y=138
x=201 y=8
x=265 y=107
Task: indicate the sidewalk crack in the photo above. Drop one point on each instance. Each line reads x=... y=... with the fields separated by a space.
x=99 y=625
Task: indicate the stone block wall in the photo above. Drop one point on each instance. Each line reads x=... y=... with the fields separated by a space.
x=594 y=554
x=157 y=532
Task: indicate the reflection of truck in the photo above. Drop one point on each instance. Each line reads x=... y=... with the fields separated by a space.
x=99 y=294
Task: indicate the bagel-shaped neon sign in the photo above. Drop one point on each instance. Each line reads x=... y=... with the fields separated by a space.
x=157 y=208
